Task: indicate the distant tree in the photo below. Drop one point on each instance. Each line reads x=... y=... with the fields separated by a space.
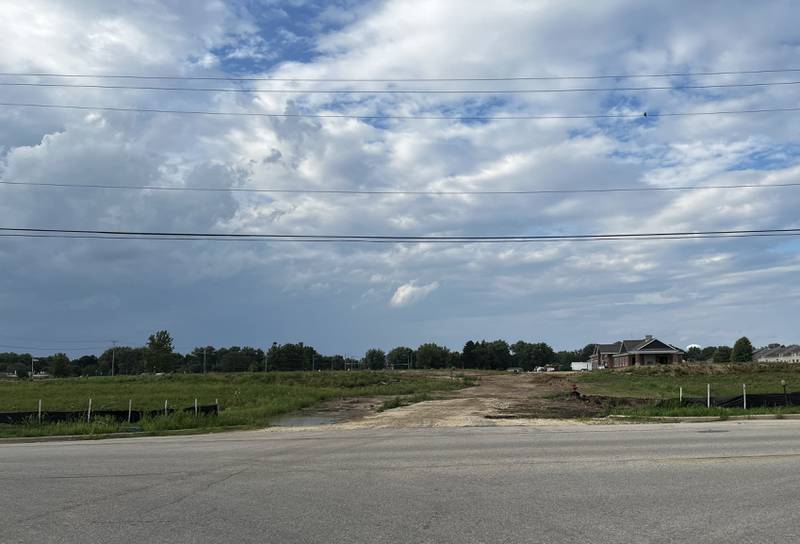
x=742 y=351
x=586 y=352
x=59 y=365
x=375 y=359
x=290 y=357
x=233 y=360
x=487 y=355
x=160 y=342
x=87 y=365
x=469 y=356
x=330 y=362
x=432 y=356
x=454 y=360
x=529 y=356
x=694 y=354
x=499 y=354
x=564 y=359
x=400 y=355
x=722 y=354
x=160 y=356
x=708 y=353
x=199 y=356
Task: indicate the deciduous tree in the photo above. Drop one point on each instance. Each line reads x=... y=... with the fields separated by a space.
x=742 y=351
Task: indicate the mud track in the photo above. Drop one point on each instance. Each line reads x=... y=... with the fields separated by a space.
x=497 y=400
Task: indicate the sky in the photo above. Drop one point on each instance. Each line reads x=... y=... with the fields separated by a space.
x=77 y=295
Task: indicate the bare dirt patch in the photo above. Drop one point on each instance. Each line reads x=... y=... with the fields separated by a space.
x=497 y=400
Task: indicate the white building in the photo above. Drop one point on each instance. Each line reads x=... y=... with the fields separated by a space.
x=782 y=354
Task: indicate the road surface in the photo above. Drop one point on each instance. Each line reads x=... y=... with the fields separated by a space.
x=691 y=482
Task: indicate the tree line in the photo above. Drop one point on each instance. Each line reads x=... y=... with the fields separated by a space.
x=741 y=352
x=159 y=356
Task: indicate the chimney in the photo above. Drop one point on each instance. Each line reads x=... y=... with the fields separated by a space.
x=648 y=337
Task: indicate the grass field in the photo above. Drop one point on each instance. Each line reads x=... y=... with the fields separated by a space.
x=248 y=400
x=664 y=382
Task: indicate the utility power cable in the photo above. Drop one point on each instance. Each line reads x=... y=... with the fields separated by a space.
x=378 y=117
x=344 y=238
x=402 y=91
x=390 y=192
x=406 y=79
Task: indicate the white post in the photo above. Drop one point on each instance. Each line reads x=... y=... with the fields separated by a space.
x=195 y=407
x=89 y=413
x=708 y=395
x=680 y=395
x=216 y=401
x=130 y=405
x=40 y=411
x=744 y=395
x=165 y=407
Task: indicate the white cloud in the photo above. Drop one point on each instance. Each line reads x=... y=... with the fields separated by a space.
x=409 y=293
x=399 y=38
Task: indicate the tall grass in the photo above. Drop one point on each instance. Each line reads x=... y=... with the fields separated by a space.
x=675 y=409
x=245 y=399
x=664 y=382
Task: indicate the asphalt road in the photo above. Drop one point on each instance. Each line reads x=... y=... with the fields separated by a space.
x=723 y=482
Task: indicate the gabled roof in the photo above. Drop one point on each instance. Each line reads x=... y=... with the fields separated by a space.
x=645 y=345
x=606 y=348
x=629 y=345
x=655 y=345
x=786 y=351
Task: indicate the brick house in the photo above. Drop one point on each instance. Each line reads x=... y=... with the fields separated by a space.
x=647 y=351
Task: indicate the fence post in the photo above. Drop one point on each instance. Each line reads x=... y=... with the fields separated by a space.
x=89 y=413
x=708 y=395
x=165 y=407
x=216 y=402
x=680 y=395
x=130 y=405
x=744 y=396
x=40 y=411
x=195 y=407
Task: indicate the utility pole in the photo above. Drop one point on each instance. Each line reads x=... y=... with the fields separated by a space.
x=113 y=355
x=204 y=360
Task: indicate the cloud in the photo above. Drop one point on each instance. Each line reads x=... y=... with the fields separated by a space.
x=233 y=292
x=408 y=294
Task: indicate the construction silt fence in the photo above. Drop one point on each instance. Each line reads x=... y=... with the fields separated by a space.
x=51 y=416
x=754 y=400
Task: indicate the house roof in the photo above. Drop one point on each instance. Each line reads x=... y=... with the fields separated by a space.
x=629 y=345
x=785 y=351
x=645 y=345
x=606 y=348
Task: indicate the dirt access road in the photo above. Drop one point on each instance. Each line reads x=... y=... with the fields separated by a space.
x=497 y=400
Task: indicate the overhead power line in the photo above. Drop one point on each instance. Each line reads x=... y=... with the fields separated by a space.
x=405 y=79
x=392 y=239
x=401 y=91
x=389 y=192
x=34 y=348
x=377 y=117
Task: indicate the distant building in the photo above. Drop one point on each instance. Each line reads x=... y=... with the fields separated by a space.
x=582 y=366
x=624 y=353
x=778 y=354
